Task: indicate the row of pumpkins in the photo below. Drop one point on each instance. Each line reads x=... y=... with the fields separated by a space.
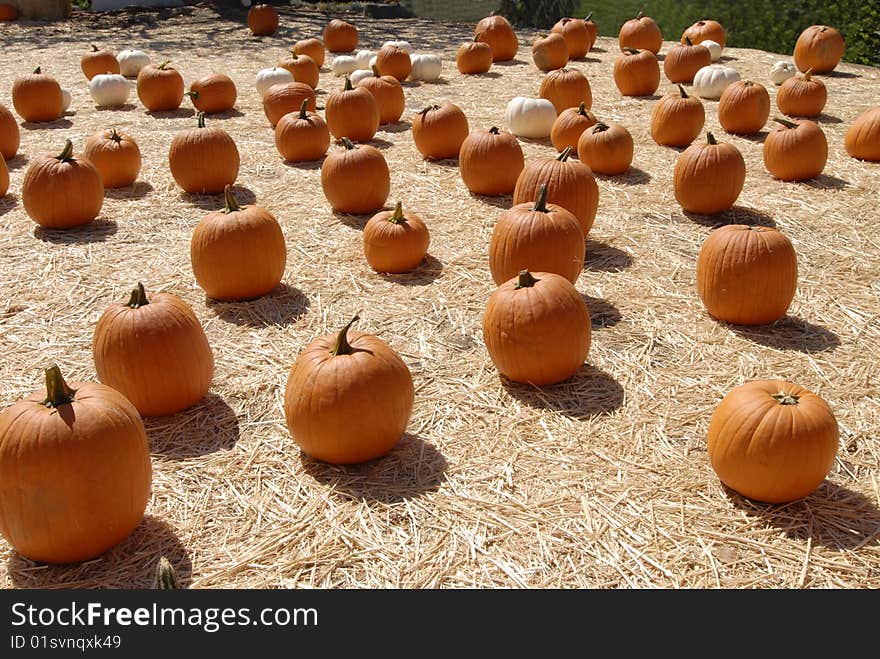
x=152 y=356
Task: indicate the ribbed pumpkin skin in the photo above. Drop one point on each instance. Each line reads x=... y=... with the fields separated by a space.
x=642 y=33
x=606 y=149
x=802 y=97
x=262 y=20
x=796 y=154
x=10 y=135
x=285 y=98
x=550 y=52
x=569 y=126
x=348 y=408
x=301 y=139
x=389 y=97
x=576 y=35
x=863 y=136
x=203 y=160
x=311 y=47
x=340 y=36
x=566 y=88
x=498 y=33
x=97 y=62
x=116 y=156
x=820 y=48
x=473 y=57
x=703 y=30
x=744 y=107
x=4 y=178
x=395 y=247
x=352 y=113
x=548 y=240
x=356 y=180
x=677 y=120
x=8 y=12
x=393 y=61
x=74 y=480
x=708 y=177
x=160 y=88
x=303 y=69
x=684 y=60
x=537 y=334
x=747 y=275
x=490 y=163
x=570 y=184
x=156 y=355
x=60 y=194
x=214 y=93
x=636 y=74
x=769 y=451
x=36 y=97
x=439 y=131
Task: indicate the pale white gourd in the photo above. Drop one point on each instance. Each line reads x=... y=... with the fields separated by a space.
x=530 y=117
x=715 y=48
x=712 y=80
x=274 y=76
x=131 y=62
x=363 y=58
x=109 y=90
x=343 y=65
x=782 y=71
x=359 y=75
x=425 y=67
x=65 y=100
x=403 y=45
x=373 y=61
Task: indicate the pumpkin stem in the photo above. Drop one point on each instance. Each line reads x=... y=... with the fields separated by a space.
x=342 y=346
x=116 y=137
x=588 y=17
x=428 y=109
x=348 y=144
x=786 y=399
x=808 y=75
x=38 y=70
x=525 y=280
x=631 y=51
x=231 y=204
x=541 y=202
x=494 y=130
x=347 y=86
x=58 y=392
x=640 y=14
x=688 y=41
x=710 y=138
x=166 y=577
x=566 y=152
x=302 y=109
x=201 y=119
x=397 y=215
x=138 y=298
x=785 y=122
x=684 y=94
x=192 y=95
x=93 y=47
x=376 y=73
x=600 y=127
x=582 y=109
x=66 y=154
x=164 y=64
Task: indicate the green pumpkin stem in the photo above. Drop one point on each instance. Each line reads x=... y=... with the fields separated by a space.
x=397 y=216
x=683 y=93
x=786 y=399
x=192 y=95
x=808 y=75
x=164 y=64
x=138 y=297
x=348 y=144
x=231 y=204
x=541 y=202
x=201 y=119
x=343 y=347
x=38 y=71
x=428 y=109
x=710 y=138
x=566 y=152
x=66 y=154
x=58 y=392
x=494 y=130
x=785 y=122
x=166 y=577
x=525 y=280
x=347 y=86
x=303 y=113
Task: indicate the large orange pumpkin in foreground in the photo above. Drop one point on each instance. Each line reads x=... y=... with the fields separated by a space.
x=772 y=440
x=490 y=161
x=795 y=150
x=498 y=33
x=203 y=159
x=439 y=131
x=355 y=179
x=348 y=398
x=75 y=471
x=819 y=48
x=708 y=176
x=395 y=241
x=302 y=136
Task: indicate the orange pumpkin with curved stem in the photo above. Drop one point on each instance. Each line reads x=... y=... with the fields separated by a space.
x=262 y=20
x=606 y=148
x=683 y=60
x=37 y=97
x=340 y=36
x=302 y=67
x=96 y=62
x=819 y=48
x=705 y=30
x=772 y=441
x=576 y=35
x=388 y=94
x=75 y=471
x=393 y=61
x=795 y=150
x=744 y=107
x=708 y=176
x=549 y=52
x=395 y=241
x=115 y=155
x=473 y=57
x=525 y=316
x=311 y=47
x=490 y=162
x=10 y=135
x=160 y=88
x=569 y=126
x=287 y=97
x=677 y=119
x=302 y=136
x=863 y=136
x=439 y=131
x=498 y=33
x=641 y=33
x=566 y=88
x=359 y=375
x=355 y=179
x=203 y=159
x=802 y=96
x=352 y=113
x=636 y=72
x=213 y=94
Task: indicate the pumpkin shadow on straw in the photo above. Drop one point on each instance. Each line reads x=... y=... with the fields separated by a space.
x=400 y=126
x=215 y=202
x=281 y=306
x=842 y=74
x=601 y=257
x=589 y=60
x=380 y=144
x=8 y=202
x=501 y=201
x=19 y=160
x=632 y=176
x=130 y=564
x=602 y=313
x=127 y=107
x=790 y=333
x=758 y=137
x=96 y=231
x=137 y=190
x=229 y=114
x=179 y=113
x=206 y=427
x=413 y=467
x=826 y=182
x=304 y=165
x=46 y=125
x=540 y=141
x=510 y=62
x=735 y=215
x=587 y=394
x=832 y=516
x=428 y=271
x=828 y=119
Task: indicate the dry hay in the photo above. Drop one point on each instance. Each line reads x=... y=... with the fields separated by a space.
x=600 y=482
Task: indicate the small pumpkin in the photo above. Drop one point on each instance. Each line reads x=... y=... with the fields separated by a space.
x=302 y=67
x=109 y=90
x=213 y=93
x=426 y=67
x=314 y=48
x=394 y=241
x=238 y=253
x=537 y=328
x=549 y=52
x=60 y=192
x=356 y=373
x=744 y=107
x=131 y=61
x=576 y=36
x=203 y=159
x=393 y=61
x=355 y=179
x=352 y=113
x=439 y=131
x=160 y=88
x=302 y=136
x=606 y=148
x=262 y=20
x=498 y=33
x=715 y=49
x=8 y=12
x=269 y=77
x=566 y=88
x=115 y=155
x=677 y=119
x=340 y=36
x=684 y=60
x=342 y=65
x=359 y=75
x=98 y=61
x=399 y=43
x=781 y=71
x=75 y=471
x=819 y=49
x=708 y=176
x=362 y=59
x=10 y=135
x=539 y=236
x=473 y=57
x=641 y=33
x=4 y=178
x=154 y=352
x=795 y=150
x=287 y=97
x=803 y=96
x=490 y=162
x=530 y=117
x=711 y=81
x=705 y=30
x=388 y=94
x=569 y=125
x=772 y=441
x=36 y=97
x=746 y=275
x=636 y=72
x=863 y=136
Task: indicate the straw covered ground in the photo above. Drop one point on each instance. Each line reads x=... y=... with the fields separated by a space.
x=600 y=482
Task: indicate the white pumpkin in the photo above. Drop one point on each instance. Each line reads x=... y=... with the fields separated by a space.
x=65 y=100
x=359 y=75
x=530 y=117
x=131 y=62
x=425 y=67
x=782 y=71
x=274 y=76
x=363 y=58
x=343 y=65
x=712 y=80
x=403 y=45
x=715 y=48
x=373 y=61
x=109 y=90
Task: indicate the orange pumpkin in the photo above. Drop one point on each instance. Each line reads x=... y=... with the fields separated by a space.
x=36 y=97
x=359 y=374
x=744 y=107
x=302 y=67
x=636 y=72
x=302 y=136
x=115 y=155
x=154 y=352
x=355 y=179
x=705 y=30
x=213 y=94
x=819 y=48
x=641 y=33
x=490 y=162
x=311 y=47
x=440 y=130
x=393 y=61
x=677 y=119
x=352 y=113
x=747 y=275
x=262 y=20
x=75 y=471
x=474 y=57
x=395 y=241
x=549 y=52
x=388 y=94
x=287 y=97
x=529 y=314
x=566 y=88
x=96 y=62
x=606 y=148
x=802 y=96
x=795 y=151
x=10 y=135
x=576 y=36
x=8 y=12
x=569 y=126
x=592 y=29
x=772 y=441
x=683 y=60
x=238 y=253
x=708 y=176
x=160 y=88
x=61 y=192
x=340 y=36
x=4 y=178
x=862 y=137
x=203 y=159
x=498 y=33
